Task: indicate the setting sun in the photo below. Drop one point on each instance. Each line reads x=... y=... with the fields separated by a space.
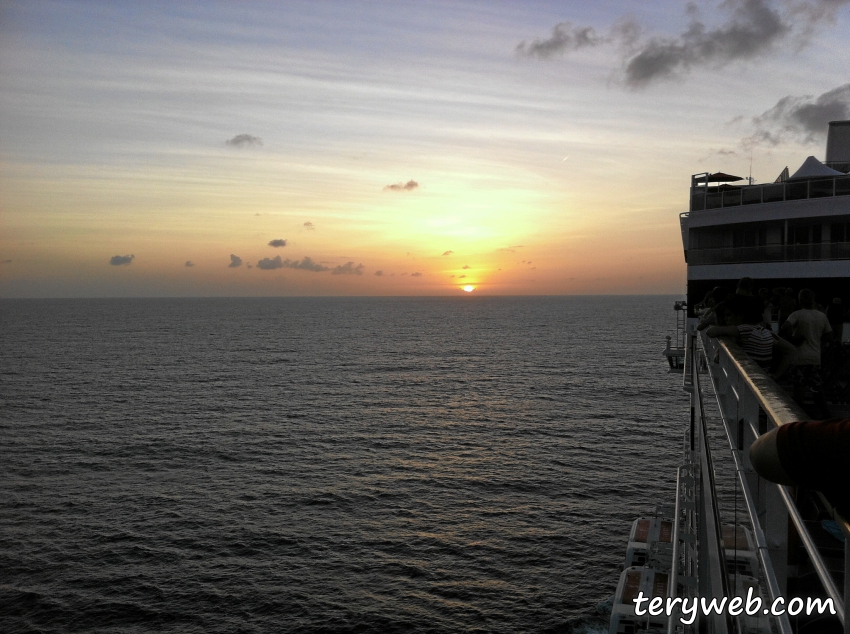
x=469 y=288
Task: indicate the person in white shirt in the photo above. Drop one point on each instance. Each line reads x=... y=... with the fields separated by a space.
x=806 y=328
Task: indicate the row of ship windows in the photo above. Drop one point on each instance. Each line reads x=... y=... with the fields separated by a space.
x=770 y=253
x=770 y=233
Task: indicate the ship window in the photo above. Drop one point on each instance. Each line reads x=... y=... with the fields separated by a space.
x=816 y=234
x=820 y=188
x=745 y=237
x=773 y=193
x=773 y=234
x=842 y=186
x=708 y=238
x=838 y=232
x=796 y=191
x=798 y=235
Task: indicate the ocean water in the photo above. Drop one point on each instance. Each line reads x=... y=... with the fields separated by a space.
x=462 y=464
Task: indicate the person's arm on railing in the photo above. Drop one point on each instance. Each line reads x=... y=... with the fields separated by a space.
x=812 y=454
x=723 y=331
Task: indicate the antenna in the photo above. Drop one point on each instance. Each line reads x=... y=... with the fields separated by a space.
x=750 y=177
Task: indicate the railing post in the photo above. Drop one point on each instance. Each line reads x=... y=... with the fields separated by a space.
x=846 y=584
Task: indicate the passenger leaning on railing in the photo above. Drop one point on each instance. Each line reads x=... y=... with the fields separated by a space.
x=708 y=316
x=742 y=315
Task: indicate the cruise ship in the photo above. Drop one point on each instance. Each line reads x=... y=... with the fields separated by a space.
x=784 y=546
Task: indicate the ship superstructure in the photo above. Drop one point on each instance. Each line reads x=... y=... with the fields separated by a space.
x=782 y=544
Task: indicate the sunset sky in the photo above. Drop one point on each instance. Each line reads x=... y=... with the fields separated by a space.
x=390 y=148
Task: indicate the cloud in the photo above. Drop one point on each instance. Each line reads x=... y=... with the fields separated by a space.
x=121 y=260
x=448 y=252
x=189 y=263
x=399 y=187
x=752 y=29
x=277 y=243
x=417 y=274
x=309 y=226
x=235 y=262
x=348 y=269
x=466 y=266
x=6 y=262
x=803 y=118
x=306 y=264
x=565 y=38
x=270 y=264
x=379 y=273
x=460 y=277
x=244 y=140
x=511 y=249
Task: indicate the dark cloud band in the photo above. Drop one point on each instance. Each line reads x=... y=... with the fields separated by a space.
x=753 y=28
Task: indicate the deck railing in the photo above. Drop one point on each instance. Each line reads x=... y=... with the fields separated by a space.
x=717 y=198
x=751 y=403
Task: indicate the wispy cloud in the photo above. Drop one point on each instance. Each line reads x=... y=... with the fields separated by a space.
x=121 y=260
x=466 y=266
x=379 y=273
x=752 y=29
x=417 y=274
x=269 y=264
x=189 y=263
x=447 y=252
x=402 y=187
x=348 y=269
x=277 y=243
x=235 y=262
x=6 y=262
x=309 y=226
x=244 y=140
x=564 y=38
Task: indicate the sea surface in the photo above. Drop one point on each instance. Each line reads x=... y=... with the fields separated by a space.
x=309 y=465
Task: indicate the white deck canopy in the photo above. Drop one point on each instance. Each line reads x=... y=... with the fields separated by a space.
x=812 y=167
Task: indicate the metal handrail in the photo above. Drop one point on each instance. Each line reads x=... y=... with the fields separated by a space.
x=781 y=410
x=707 y=476
x=820 y=567
x=672 y=589
x=761 y=541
